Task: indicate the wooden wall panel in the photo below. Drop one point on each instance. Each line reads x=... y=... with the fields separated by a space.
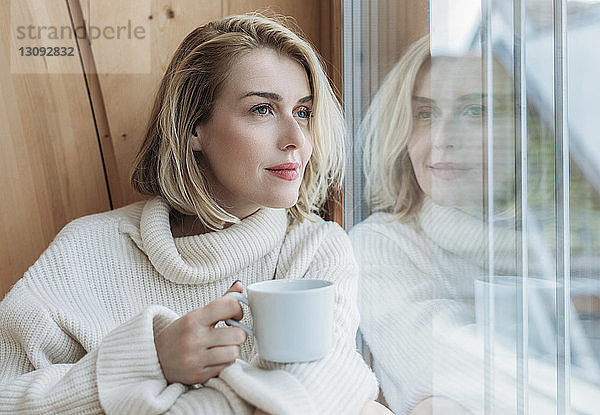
x=51 y=169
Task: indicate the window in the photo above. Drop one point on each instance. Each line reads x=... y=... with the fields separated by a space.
x=473 y=200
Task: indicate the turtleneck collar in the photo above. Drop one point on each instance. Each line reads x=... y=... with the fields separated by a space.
x=211 y=256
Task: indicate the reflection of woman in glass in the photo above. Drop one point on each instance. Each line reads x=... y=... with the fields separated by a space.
x=119 y=314
x=421 y=250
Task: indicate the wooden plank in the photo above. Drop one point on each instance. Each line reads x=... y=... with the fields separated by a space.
x=51 y=169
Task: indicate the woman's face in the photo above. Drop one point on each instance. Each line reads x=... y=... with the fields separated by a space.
x=446 y=144
x=257 y=142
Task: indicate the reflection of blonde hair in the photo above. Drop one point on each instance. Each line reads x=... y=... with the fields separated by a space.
x=390 y=182
x=166 y=165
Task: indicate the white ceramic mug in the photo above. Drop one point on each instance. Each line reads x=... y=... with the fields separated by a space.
x=293 y=318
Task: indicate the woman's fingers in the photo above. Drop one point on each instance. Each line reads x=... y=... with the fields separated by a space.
x=236 y=287
x=221 y=355
x=218 y=310
x=192 y=350
x=226 y=336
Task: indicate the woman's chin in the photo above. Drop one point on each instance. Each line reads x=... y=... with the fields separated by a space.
x=282 y=202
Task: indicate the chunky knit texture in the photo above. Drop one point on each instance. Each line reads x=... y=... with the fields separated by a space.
x=416 y=304
x=77 y=331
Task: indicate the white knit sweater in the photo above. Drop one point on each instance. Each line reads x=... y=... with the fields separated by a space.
x=416 y=304
x=77 y=331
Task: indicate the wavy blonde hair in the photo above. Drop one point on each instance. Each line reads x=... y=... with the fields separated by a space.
x=166 y=165
x=390 y=182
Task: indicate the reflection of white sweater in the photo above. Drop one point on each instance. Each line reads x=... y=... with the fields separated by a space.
x=77 y=332
x=415 y=294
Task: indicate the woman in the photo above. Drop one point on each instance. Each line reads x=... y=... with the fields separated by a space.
x=424 y=246
x=120 y=313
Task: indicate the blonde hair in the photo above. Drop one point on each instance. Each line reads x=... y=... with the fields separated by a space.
x=166 y=165
x=390 y=182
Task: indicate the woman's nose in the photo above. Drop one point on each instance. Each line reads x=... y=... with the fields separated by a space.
x=292 y=136
x=444 y=135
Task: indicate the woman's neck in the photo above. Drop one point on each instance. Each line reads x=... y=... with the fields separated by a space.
x=187 y=225
x=190 y=225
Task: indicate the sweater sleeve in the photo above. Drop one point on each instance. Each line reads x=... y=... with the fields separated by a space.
x=43 y=369
x=340 y=383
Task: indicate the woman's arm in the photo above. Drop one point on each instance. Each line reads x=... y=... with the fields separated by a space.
x=45 y=369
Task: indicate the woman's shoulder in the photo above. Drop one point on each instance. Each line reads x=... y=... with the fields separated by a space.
x=89 y=239
x=103 y=222
x=83 y=250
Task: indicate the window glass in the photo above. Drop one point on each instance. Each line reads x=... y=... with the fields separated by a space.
x=473 y=201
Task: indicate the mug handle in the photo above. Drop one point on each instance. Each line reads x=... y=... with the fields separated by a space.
x=243 y=299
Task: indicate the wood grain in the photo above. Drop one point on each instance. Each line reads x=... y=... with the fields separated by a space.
x=50 y=160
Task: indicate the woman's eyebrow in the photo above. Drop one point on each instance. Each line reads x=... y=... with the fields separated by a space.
x=305 y=99
x=268 y=95
x=423 y=99
x=474 y=97
x=480 y=97
x=275 y=97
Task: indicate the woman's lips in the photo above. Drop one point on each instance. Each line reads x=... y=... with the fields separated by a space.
x=285 y=171
x=449 y=171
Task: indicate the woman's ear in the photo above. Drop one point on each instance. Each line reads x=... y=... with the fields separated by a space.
x=195 y=139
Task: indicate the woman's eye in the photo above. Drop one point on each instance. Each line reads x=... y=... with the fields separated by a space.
x=474 y=111
x=263 y=109
x=304 y=113
x=425 y=114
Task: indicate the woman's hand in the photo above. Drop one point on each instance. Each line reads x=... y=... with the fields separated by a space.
x=192 y=350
